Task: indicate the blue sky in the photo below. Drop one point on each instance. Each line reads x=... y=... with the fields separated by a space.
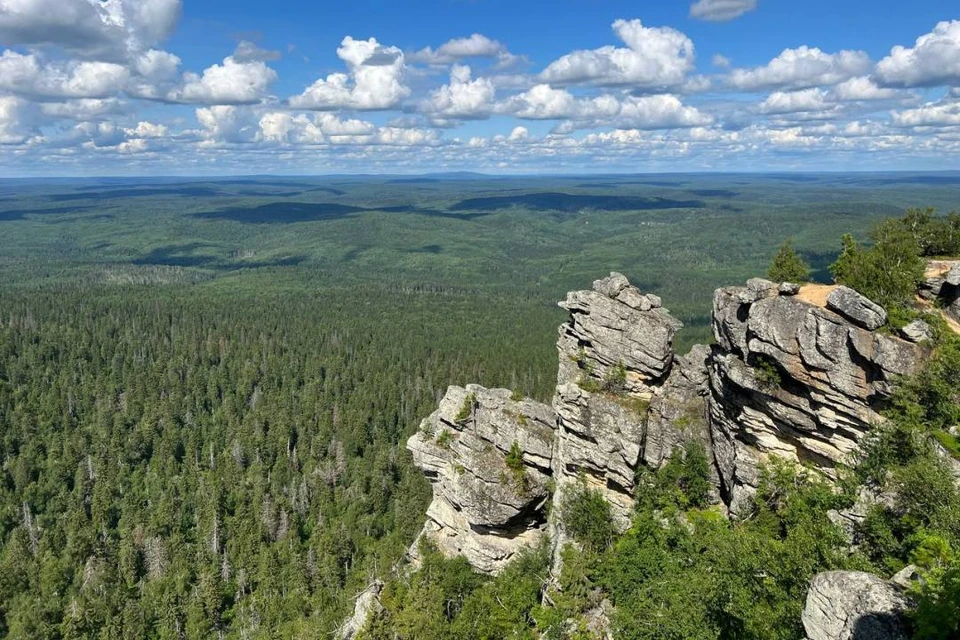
x=153 y=87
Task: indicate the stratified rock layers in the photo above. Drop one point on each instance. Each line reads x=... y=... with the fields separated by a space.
x=796 y=373
x=489 y=458
x=792 y=379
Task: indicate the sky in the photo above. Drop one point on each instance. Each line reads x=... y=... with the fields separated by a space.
x=243 y=87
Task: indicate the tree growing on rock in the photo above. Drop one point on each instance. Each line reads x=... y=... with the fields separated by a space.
x=788 y=266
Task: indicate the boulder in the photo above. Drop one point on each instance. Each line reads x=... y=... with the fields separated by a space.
x=789 y=288
x=852 y=605
x=857 y=308
x=488 y=457
x=917 y=331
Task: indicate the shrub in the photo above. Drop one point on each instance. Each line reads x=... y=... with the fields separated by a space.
x=616 y=378
x=587 y=517
x=466 y=410
x=767 y=373
x=788 y=266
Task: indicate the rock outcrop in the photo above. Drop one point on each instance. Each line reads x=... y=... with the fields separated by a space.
x=796 y=380
x=365 y=607
x=489 y=458
x=796 y=373
x=616 y=353
x=851 y=605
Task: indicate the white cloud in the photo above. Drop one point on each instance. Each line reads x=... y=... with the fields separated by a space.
x=862 y=88
x=101 y=28
x=248 y=51
x=475 y=46
x=463 y=97
x=720 y=61
x=654 y=57
x=147 y=130
x=543 y=102
x=933 y=60
x=659 y=112
x=231 y=83
x=15 y=120
x=226 y=123
x=801 y=68
x=83 y=108
x=721 y=10
x=806 y=100
x=317 y=128
x=27 y=76
x=374 y=81
x=937 y=114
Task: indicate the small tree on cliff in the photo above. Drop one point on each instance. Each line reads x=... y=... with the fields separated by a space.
x=788 y=266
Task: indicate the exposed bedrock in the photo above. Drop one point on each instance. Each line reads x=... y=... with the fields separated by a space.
x=489 y=459
x=616 y=361
x=851 y=605
x=794 y=379
x=797 y=373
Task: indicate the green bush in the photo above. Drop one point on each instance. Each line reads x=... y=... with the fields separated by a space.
x=788 y=266
x=586 y=515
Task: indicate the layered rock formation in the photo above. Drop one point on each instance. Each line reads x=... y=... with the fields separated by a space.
x=797 y=376
x=616 y=353
x=489 y=458
x=796 y=373
x=852 y=605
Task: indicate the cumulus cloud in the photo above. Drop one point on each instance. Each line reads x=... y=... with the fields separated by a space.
x=15 y=120
x=231 y=83
x=475 y=46
x=862 y=88
x=654 y=57
x=801 y=68
x=544 y=102
x=248 y=51
x=933 y=60
x=463 y=97
x=937 y=114
x=807 y=100
x=27 y=76
x=318 y=128
x=721 y=10
x=374 y=80
x=147 y=130
x=97 y=28
x=227 y=123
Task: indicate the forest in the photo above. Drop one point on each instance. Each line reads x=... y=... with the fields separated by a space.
x=205 y=388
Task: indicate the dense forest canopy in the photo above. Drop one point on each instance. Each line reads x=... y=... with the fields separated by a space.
x=204 y=396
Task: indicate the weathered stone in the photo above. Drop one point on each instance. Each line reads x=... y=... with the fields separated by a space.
x=678 y=412
x=365 y=607
x=852 y=605
x=612 y=285
x=857 y=308
x=953 y=276
x=487 y=503
x=608 y=333
x=917 y=331
x=821 y=376
x=789 y=288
